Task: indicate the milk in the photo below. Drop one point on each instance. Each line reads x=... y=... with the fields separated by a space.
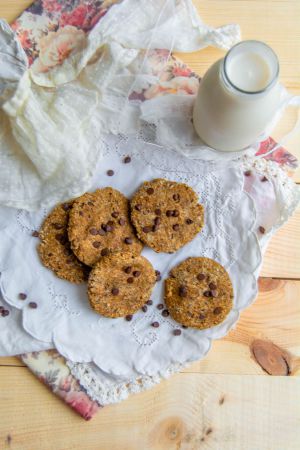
x=238 y=97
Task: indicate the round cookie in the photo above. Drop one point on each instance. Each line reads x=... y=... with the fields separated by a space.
x=166 y=214
x=99 y=225
x=120 y=284
x=55 y=251
x=199 y=293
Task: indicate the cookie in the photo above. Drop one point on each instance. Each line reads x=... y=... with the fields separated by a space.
x=199 y=293
x=120 y=284
x=166 y=214
x=99 y=225
x=54 y=249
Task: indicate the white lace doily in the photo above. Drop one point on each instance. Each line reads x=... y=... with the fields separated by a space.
x=120 y=348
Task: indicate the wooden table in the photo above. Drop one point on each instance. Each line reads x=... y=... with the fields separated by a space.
x=227 y=401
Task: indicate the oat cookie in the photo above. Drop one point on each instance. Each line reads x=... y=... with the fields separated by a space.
x=166 y=214
x=99 y=225
x=120 y=284
x=199 y=293
x=55 y=251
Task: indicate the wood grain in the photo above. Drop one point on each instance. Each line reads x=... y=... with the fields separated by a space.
x=188 y=412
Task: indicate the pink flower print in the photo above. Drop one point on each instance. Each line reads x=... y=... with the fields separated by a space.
x=56 y=46
x=51 y=6
x=65 y=384
x=82 y=404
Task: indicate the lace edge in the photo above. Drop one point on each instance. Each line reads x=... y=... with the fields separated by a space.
x=115 y=393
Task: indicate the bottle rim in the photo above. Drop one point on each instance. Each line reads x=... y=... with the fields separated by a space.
x=243 y=91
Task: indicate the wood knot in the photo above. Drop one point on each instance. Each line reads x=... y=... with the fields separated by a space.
x=171 y=429
x=268 y=284
x=271 y=358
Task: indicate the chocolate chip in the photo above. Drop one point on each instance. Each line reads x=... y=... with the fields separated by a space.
x=104 y=227
x=155 y=228
x=4 y=313
x=149 y=302
x=138 y=207
x=157 y=220
x=22 y=296
x=262 y=230
x=59 y=237
x=115 y=291
x=218 y=310
x=104 y=252
x=147 y=229
x=160 y=306
x=35 y=234
x=2 y=309
x=158 y=277
x=201 y=316
x=57 y=226
x=169 y=213
x=177 y=332
x=110 y=173
x=128 y=317
x=136 y=273
x=155 y=324
x=101 y=232
x=93 y=231
x=212 y=285
x=207 y=294
x=115 y=214
x=127 y=160
x=175 y=227
x=127 y=269
x=189 y=221
x=130 y=280
x=66 y=206
x=182 y=291
x=109 y=228
x=200 y=276
x=69 y=260
x=122 y=222
x=128 y=240
x=150 y=191
x=184 y=326
x=96 y=244
x=165 y=313
x=175 y=213
x=157 y=272
x=90 y=203
x=110 y=223
x=247 y=173
x=80 y=213
x=144 y=308
x=158 y=212
x=32 y=305
x=214 y=293
x=176 y=197
x=264 y=179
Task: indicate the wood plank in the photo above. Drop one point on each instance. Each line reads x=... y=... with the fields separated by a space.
x=9 y=10
x=189 y=411
x=282 y=258
x=11 y=361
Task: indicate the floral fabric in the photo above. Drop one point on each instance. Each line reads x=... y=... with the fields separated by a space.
x=49 y=30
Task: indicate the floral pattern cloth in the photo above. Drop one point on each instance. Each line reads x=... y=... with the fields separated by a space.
x=49 y=30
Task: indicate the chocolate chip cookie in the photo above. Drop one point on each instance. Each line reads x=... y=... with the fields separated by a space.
x=166 y=214
x=120 y=284
x=199 y=293
x=99 y=226
x=55 y=251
